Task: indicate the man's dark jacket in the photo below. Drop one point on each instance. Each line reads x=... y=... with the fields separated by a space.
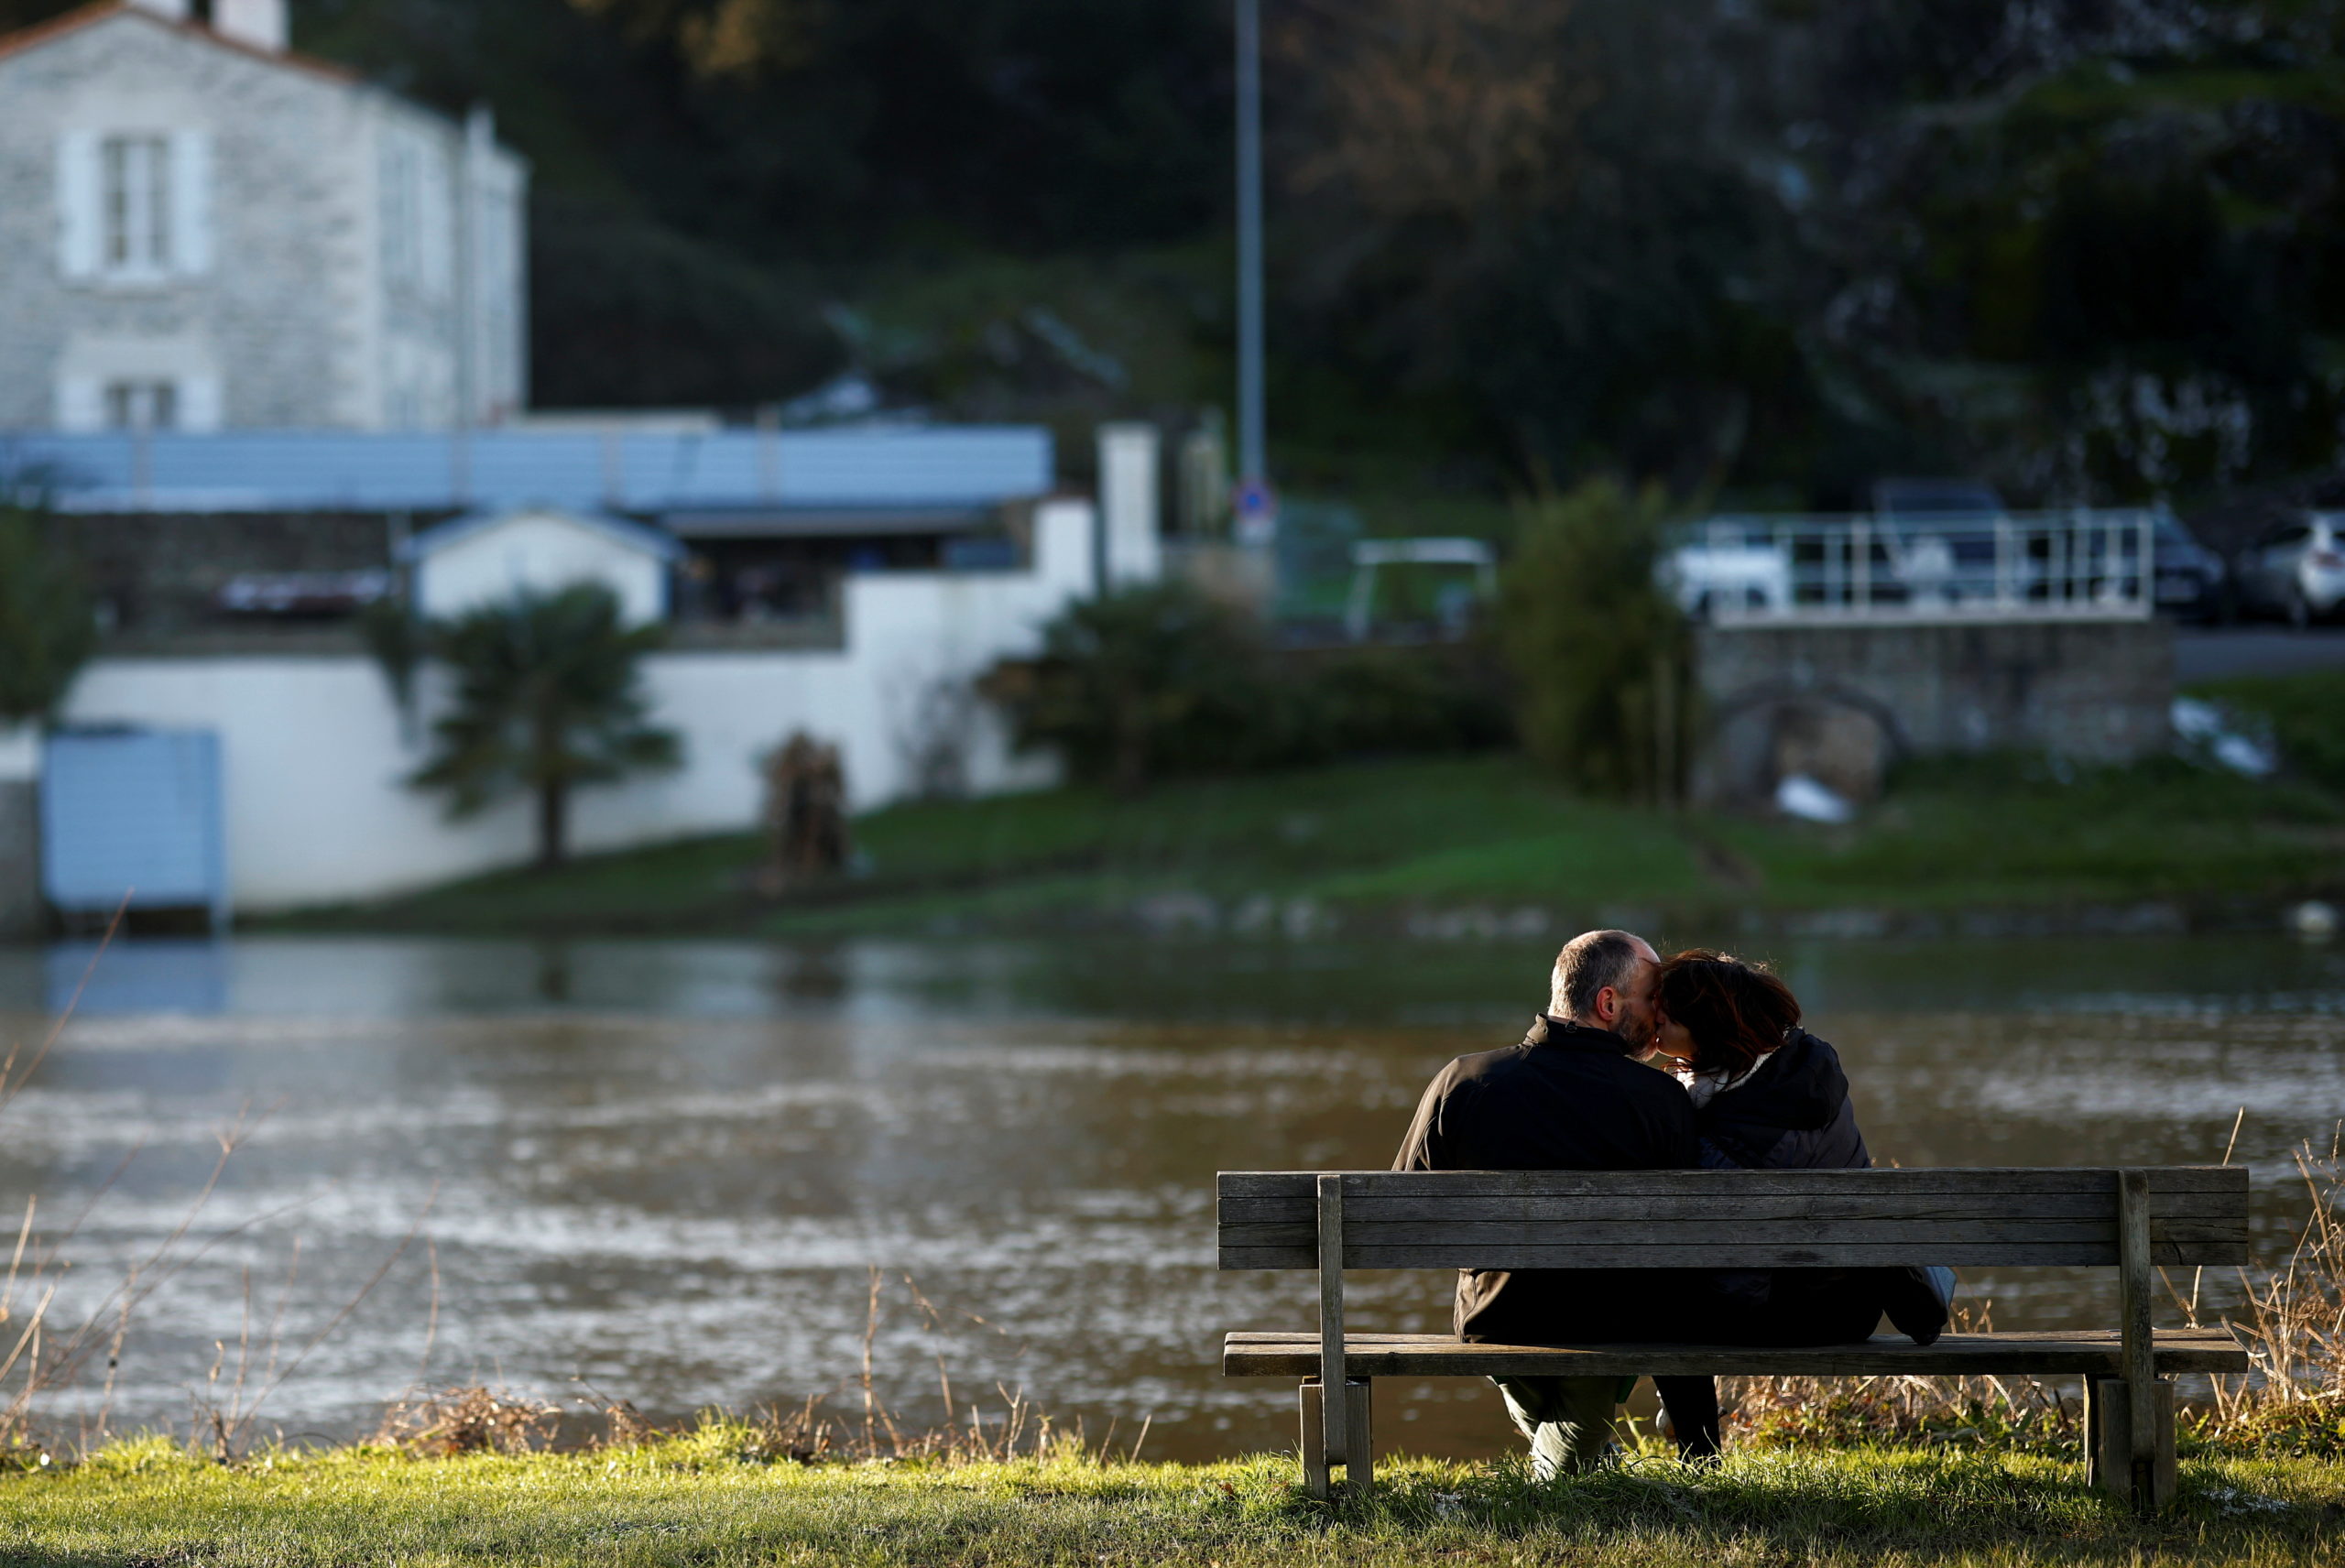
x=1567 y=1099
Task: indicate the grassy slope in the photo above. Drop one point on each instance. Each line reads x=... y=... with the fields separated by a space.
x=1450 y=832
x=692 y=1500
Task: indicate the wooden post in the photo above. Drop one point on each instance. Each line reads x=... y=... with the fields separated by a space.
x=2138 y=1362
x=1332 y=1427
x=1358 y=1402
x=2096 y=1416
x=1314 y=1449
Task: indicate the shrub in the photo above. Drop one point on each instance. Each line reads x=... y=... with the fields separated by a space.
x=1600 y=656
x=1394 y=702
x=1144 y=682
x=1161 y=681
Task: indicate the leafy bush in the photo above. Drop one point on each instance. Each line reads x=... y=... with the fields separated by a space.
x=1161 y=681
x=1148 y=681
x=1359 y=702
x=1600 y=656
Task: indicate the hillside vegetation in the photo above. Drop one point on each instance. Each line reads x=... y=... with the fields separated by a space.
x=1781 y=248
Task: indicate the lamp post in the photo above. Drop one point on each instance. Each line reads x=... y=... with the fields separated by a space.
x=1256 y=512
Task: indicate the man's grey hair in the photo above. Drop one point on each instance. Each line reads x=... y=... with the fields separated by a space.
x=1590 y=962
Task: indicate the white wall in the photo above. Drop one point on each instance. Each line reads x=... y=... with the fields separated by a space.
x=313 y=751
x=543 y=551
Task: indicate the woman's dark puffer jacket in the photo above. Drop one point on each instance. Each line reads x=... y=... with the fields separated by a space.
x=1794 y=1114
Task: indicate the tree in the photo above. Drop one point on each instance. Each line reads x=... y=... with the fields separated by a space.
x=1599 y=651
x=548 y=698
x=47 y=629
x=1146 y=682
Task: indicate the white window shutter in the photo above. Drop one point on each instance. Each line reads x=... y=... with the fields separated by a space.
x=200 y=402
x=78 y=204
x=191 y=204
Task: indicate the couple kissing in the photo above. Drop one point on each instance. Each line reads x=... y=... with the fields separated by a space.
x=1740 y=1085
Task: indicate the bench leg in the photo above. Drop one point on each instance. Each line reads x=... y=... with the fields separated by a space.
x=1314 y=1448
x=1317 y=1463
x=2109 y=1406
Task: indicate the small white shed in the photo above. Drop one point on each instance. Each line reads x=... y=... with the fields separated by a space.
x=489 y=556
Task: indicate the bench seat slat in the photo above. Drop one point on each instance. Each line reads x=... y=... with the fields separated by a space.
x=1990 y=1181
x=1727 y=1255
x=1737 y=1208
x=1368 y=1236
x=1427 y=1355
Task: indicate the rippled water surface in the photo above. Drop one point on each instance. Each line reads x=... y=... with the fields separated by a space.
x=671 y=1170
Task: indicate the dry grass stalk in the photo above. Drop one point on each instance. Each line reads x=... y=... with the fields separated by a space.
x=2293 y=1321
x=472 y=1420
x=1984 y=1411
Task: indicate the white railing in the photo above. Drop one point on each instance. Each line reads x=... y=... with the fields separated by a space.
x=2081 y=563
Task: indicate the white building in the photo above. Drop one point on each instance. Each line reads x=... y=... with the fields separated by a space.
x=489 y=557
x=200 y=229
x=314 y=753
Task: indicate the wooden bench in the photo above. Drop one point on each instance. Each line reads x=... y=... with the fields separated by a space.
x=2133 y=1220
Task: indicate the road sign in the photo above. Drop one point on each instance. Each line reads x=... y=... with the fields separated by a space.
x=1256 y=507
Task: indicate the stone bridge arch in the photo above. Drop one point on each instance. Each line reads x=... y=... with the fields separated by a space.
x=1841 y=735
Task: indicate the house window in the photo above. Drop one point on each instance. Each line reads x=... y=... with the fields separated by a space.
x=134 y=174
x=142 y=405
x=418 y=216
x=403 y=201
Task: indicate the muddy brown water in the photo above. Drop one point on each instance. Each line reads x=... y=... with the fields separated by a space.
x=667 y=1171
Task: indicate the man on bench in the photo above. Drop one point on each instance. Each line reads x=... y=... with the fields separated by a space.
x=1576 y=1095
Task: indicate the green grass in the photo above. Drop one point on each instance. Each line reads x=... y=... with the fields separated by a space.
x=1373 y=842
x=698 y=1500
x=2000 y=831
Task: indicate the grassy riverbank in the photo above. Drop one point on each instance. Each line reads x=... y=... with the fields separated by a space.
x=697 y=1500
x=1456 y=844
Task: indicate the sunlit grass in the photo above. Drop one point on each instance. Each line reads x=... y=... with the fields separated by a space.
x=695 y=1499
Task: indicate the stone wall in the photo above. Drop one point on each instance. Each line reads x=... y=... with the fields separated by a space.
x=1841 y=702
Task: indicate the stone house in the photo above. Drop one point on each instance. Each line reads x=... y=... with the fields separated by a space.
x=202 y=229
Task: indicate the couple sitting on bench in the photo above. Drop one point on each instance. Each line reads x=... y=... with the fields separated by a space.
x=1747 y=1089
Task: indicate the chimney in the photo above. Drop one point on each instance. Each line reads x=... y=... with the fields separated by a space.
x=259 y=24
x=169 y=10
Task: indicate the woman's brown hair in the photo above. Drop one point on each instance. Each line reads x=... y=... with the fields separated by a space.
x=1737 y=1012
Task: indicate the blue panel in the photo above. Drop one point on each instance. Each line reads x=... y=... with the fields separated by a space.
x=133 y=813
x=273 y=472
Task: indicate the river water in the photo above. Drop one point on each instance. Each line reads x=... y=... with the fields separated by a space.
x=675 y=1172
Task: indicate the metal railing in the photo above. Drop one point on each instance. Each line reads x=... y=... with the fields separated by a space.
x=2075 y=564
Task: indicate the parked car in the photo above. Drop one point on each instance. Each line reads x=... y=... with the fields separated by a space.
x=2296 y=570
x=2189 y=575
x=1941 y=539
x=1723 y=569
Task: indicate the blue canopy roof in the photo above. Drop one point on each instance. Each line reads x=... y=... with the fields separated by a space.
x=441 y=470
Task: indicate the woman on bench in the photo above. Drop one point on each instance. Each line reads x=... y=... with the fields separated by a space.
x=1768 y=1095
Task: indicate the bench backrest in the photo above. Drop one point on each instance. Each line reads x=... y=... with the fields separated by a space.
x=1744 y=1219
